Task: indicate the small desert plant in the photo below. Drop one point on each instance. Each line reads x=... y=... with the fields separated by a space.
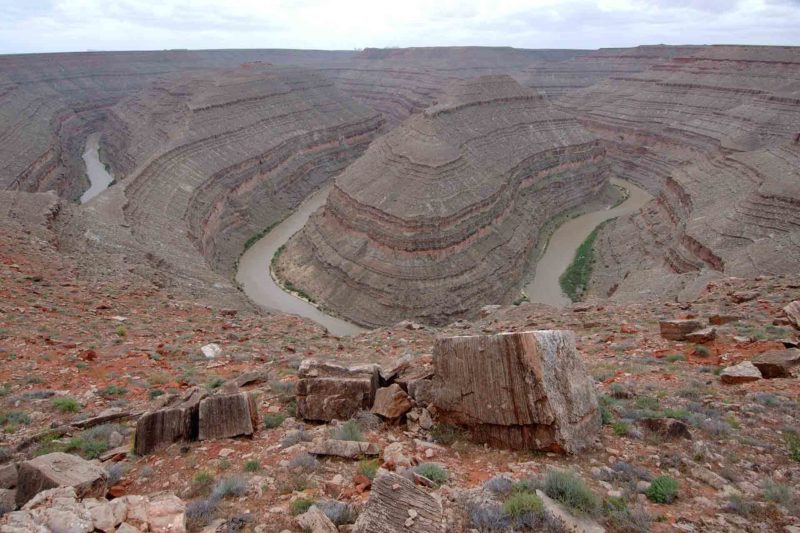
x=199 y=513
x=115 y=473
x=675 y=358
x=230 y=486
x=214 y=383
x=304 y=461
x=446 y=434
x=294 y=437
x=792 y=439
x=620 y=428
x=433 y=472
x=499 y=485
x=14 y=418
x=121 y=331
x=663 y=489
x=273 y=420
x=253 y=465
x=368 y=467
x=526 y=485
x=339 y=513
x=113 y=390
x=701 y=351
x=301 y=505
x=350 y=430
x=66 y=404
x=777 y=492
x=523 y=503
x=202 y=482
x=569 y=489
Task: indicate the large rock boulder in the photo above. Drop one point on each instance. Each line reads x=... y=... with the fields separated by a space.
x=396 y=504
x=328 y=392
x=227 y=415
x=677 y=330
x=742 y=373
x=176 y=421
x=391 y=402
x=60 y=470
x=778 y=363
x=517 y=390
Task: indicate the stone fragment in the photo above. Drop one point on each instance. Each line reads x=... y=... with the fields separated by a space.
x=349 y=449
x=8 y=476
x=166 y=513
x=227 y=415
x=391 y=499
x=792 y=312
x=739 y=297
x=327 y=391
x=127 y=528
x=60 y=470
x=676 y=330
x=176 y=421
x=487 y=310
x=422 y=391
x=720 y=319
x=702 y=336
x=391 y=402
x=666 y=427
x=315 y=521
x=778 y=363
x=395 y=455
x=741 y=373
x=569 y=522
x=8 y=501
x=211 y=351
x=517 y=390
x=102 y=514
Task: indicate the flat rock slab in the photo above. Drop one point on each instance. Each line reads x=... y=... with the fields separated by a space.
x=397 y=505
x=778 y=363
x=326 y=391
x=176 y=421
x=677 y=330
x=702 y=336
x=517 y=390
x=229 y=415
x=349 y=449
x=741 y=373
x=391 y=402
x=60 y=470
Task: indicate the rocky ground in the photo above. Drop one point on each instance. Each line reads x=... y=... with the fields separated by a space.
x=74 y=349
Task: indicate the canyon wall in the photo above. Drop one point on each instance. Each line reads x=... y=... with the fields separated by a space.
x=714 y=135
x=438 y=217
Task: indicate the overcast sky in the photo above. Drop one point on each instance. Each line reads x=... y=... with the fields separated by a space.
x=75 y=25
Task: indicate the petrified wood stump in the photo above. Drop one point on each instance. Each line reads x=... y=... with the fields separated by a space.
x=227 y=415
x=517 y=390
x=326 y=391
x=396 y=504
x=177 y=421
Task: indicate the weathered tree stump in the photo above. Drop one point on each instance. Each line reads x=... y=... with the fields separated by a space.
x=396 y=504
x=228 y=415
x=177 y=421
x=327 y=391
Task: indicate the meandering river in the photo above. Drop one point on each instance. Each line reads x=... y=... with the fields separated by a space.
x=256 y=280
x=560 y=251
x=98 y=175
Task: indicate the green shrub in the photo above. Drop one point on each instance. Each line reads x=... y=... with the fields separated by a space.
x=14 y=418
x=368 y=467
x=569 y=489
x=253 y=465
x=113 y=390
x=446 y=434
x=792 y=439
x=777 y=492
x=350 y=430
x=620 y=428
x=701 y=351
x=434 y=472
x=647 y=402
x=522 y=503
x=273 y=420
x=214 y=383
x=605 y=415
x=663 y=489
x=121 y=331
x=301 y=505
x=202 y=482
x=675 y=357
x=526 y=485
x=66 y=405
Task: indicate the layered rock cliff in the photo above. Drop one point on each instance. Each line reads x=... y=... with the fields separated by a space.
x=714 y=135
x=438 y=217
x=211 y=159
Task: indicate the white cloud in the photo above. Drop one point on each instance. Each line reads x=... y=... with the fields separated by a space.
x=63 y=25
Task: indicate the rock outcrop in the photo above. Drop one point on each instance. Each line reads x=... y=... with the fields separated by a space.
x=227 y=415
x=439 y=216
x=176 y=421
x=517 y=390
x=328 y=392
x=396 y=504
x=59 y=469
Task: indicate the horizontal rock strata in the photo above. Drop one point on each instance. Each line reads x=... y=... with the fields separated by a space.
x=439 y=216
x=714 y=135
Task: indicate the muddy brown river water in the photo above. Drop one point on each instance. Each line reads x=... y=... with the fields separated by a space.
x=98 y=175
x=560 y=251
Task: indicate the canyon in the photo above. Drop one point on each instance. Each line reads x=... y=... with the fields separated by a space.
x=321 y=256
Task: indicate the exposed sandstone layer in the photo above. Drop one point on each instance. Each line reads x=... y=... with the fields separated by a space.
x=715 y=135
x=438 y=217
